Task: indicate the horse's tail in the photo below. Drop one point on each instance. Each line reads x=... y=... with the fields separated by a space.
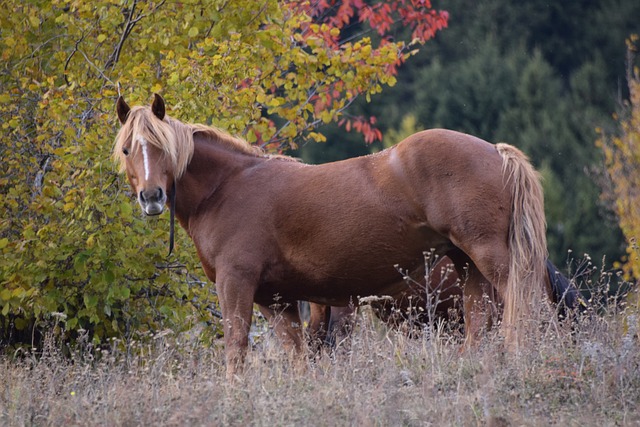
x=527 y=242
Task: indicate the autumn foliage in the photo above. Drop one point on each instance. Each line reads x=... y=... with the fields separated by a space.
x=331 y=18
x=622 y=156
x=74 y=252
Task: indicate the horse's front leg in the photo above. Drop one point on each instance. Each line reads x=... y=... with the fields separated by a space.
x=236 y=303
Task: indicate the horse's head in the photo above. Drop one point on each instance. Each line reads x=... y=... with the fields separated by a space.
x=147 y=150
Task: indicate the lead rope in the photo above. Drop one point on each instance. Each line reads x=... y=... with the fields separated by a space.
x=172 y=210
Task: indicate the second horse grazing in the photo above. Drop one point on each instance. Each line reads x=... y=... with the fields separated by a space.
x=432 y=295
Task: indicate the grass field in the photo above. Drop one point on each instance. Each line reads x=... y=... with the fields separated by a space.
x=588 y=375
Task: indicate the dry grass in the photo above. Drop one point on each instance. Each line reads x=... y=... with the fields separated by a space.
x=590 y=376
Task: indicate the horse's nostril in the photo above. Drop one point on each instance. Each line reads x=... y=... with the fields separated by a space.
x=151 y=195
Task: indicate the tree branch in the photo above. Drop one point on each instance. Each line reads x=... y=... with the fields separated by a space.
x=309 y=125
x=66 y=64
x=128 y=26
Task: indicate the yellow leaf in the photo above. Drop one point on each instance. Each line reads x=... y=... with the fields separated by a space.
x=34 y=21
x=261 y=98
x=317 y=137
x=325 y=116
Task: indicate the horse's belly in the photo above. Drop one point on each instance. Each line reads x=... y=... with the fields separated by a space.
x=341 y=282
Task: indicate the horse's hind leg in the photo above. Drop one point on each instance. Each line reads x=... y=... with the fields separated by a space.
x=479 y=299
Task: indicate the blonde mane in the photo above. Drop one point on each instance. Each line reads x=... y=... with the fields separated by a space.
x=173 y=137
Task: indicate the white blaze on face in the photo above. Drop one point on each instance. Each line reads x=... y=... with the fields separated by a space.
x=145 y=156
x=153 y=204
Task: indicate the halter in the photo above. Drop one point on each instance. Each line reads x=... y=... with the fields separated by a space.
x=172 y=211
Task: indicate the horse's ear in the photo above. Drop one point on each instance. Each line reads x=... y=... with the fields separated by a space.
x=123 y=109
x=158 y=106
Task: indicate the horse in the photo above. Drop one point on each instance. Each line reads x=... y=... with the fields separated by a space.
x=270 y=230
x=433 y=295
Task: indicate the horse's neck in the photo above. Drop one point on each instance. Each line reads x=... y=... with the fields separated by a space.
x=210 y=166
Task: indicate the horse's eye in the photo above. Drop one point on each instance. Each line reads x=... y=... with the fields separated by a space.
x=125 y=151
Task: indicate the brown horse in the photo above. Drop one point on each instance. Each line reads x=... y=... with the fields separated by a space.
x=270 y=230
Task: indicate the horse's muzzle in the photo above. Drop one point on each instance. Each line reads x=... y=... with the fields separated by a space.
x=152 y=201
